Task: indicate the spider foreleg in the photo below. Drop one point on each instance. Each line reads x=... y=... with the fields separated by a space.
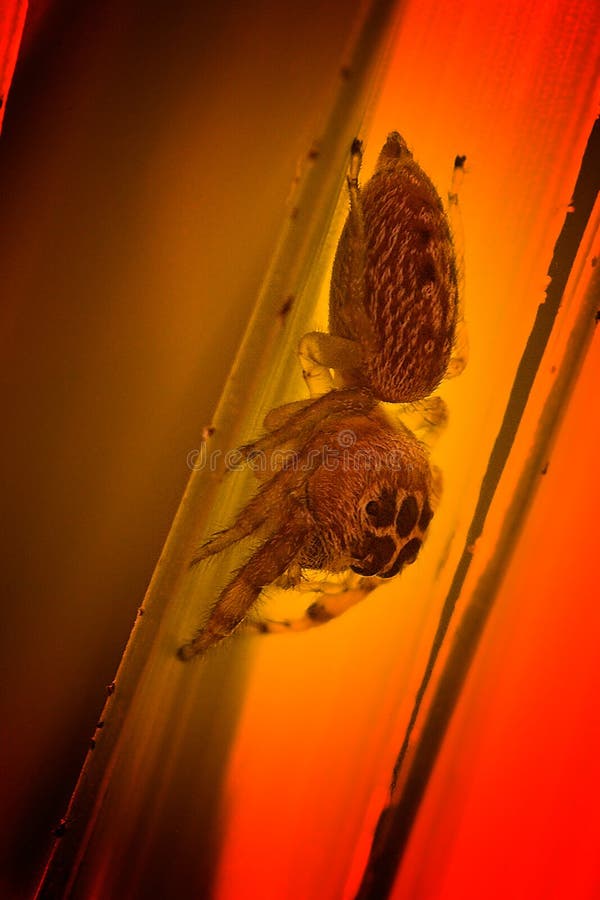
x=278 y=417
x=270 y=504
x=263 y=568
x=301 y=424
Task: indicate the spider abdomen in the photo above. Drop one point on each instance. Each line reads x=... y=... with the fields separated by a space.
x=407 y=284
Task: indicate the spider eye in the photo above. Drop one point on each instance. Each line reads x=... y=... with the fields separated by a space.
x=373 y=555
x=382 y=511
x=407 y=516
x=406 y=557
x=426 y=516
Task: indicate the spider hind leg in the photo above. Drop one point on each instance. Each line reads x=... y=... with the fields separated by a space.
x=334 y=599
x=460 y=351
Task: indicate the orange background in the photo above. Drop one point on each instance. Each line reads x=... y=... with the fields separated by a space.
x=146 y=164
x=511 y=809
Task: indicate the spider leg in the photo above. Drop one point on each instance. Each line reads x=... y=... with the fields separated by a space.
x=426 y=418
x=270 y=504
x=291 y=578
x=277 y=417
x=460 y=352
x=348 y=292
x=437 y=486
x=295 y=580
x=301 y=424
x=331 y=604
x=266 y=564
x=319 y=353
x=351 y=331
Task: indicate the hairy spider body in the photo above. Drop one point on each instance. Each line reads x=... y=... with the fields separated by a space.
x=382 y=463
x=354 y=492
x=408 y=285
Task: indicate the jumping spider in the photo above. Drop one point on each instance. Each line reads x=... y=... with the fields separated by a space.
x=395 y=331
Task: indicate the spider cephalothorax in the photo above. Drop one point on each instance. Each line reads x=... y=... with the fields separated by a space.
x=367 y=498
x=354 y=492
